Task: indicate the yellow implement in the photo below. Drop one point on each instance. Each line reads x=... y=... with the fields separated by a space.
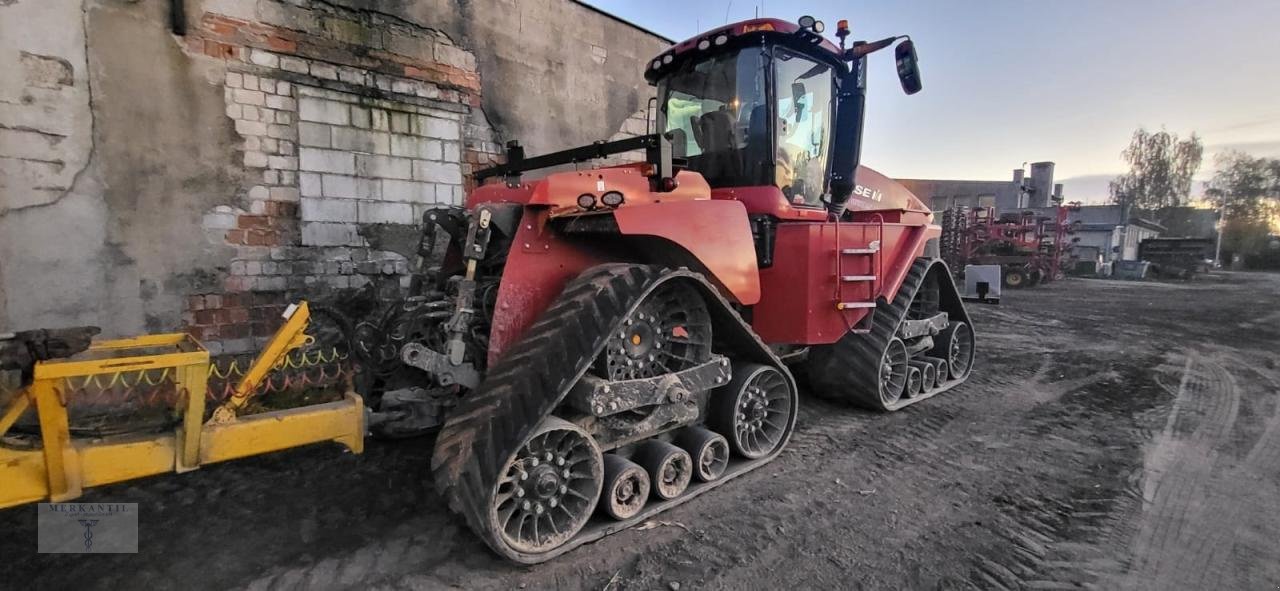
x=64 y=466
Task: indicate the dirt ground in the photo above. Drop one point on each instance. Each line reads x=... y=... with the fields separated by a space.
x=1114 y=435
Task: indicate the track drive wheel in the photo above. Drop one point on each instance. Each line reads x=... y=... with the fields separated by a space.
x=955 y=346
x=668 y=332
x=754 y=410
x=548 y=491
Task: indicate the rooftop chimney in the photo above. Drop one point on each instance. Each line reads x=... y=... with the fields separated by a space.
x=1041 y=184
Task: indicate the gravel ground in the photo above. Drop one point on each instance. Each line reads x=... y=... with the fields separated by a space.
x=1114 y=435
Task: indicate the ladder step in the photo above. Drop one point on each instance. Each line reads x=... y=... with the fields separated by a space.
x=858 y=278
x=851 y=305
x=860 y=251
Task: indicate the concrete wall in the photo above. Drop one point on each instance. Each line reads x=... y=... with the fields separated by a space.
x=1020 y=192
x=152 y=181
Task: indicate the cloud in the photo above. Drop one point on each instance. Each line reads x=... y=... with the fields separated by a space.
x=1265 y=149
x=1263 y=122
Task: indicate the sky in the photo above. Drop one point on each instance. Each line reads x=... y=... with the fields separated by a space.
x=1008 y=82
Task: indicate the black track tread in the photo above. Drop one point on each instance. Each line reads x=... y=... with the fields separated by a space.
x=849 y=368
x=489 y=425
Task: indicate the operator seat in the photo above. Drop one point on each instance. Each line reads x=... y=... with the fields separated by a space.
x=717 y=135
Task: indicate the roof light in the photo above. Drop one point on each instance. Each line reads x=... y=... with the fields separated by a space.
x=721 y=39
x=704 y=44
x=807 y=21
x=818 y=27
x=666 y=59
x=657 y=64
x=586 y=201
x=612 y=199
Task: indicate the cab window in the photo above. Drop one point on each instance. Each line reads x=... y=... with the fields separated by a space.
x=803 y=88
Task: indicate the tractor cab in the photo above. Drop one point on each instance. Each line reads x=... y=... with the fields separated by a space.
x=770 y=112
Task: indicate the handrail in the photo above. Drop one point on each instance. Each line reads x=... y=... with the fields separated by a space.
x=878 y=267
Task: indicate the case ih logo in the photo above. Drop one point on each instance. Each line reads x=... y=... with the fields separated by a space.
x=867 y=193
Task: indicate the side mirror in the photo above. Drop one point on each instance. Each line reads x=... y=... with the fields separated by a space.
x=908 y=67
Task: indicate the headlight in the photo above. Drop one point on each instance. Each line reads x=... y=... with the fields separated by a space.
x=612 y=199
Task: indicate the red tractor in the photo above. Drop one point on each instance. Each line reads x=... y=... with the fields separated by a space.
x=602 y=345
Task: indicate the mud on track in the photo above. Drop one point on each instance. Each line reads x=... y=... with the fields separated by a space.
x=1113 y=435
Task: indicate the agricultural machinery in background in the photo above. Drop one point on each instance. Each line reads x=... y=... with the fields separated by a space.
x=1030 y=248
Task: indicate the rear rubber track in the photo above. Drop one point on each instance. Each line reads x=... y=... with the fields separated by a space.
x=489 y=425
x=841 y=370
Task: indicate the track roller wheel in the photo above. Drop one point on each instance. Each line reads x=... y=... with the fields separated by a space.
x=955 y=346
x=709 y=450
x=914 y=382
x=670 y=468
x=754 y=410
x=941 y=373
x=928 y=375
x=549 y=490
x=626 y=487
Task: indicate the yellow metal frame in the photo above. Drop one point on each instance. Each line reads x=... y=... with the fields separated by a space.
x=65 y=466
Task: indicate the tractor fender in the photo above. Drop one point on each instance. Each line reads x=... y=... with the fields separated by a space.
x=715 y=233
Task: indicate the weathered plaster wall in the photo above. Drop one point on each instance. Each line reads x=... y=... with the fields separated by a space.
x=150 y=181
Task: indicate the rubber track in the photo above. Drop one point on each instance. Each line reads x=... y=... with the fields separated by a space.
x=844 y=369
x=489 y=425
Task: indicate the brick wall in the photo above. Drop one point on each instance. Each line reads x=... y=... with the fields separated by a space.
x=276 y=150
x=344 y=134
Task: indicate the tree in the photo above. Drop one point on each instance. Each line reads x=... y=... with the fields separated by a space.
x=1160 y=170
x=1247 y=192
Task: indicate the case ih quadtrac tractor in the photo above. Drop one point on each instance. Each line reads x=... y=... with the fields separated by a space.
x=602 y=345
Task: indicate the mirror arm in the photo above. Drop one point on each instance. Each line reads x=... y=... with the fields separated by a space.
x=862 y=48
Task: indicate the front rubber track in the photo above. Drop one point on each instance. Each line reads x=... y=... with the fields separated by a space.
x=849 y=369
x=489 y=425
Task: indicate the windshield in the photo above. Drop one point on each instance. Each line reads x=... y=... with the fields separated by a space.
x=804 y=117
x=717 y=111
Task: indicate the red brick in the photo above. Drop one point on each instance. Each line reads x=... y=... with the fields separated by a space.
x=234 y=331
x=253 y=221
x=238 y=315
x=195 y=302
x=206 y=317
x=267 y=298
x=235 y=236
x=260 y=238
x=281 y=44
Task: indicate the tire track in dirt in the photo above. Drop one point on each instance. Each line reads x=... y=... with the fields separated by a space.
x=1179 y=476
x=1214 y=548
x=920 y=450
x=1061 y=541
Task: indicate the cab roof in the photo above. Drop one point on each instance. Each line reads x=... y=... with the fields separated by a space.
x=742 y=33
